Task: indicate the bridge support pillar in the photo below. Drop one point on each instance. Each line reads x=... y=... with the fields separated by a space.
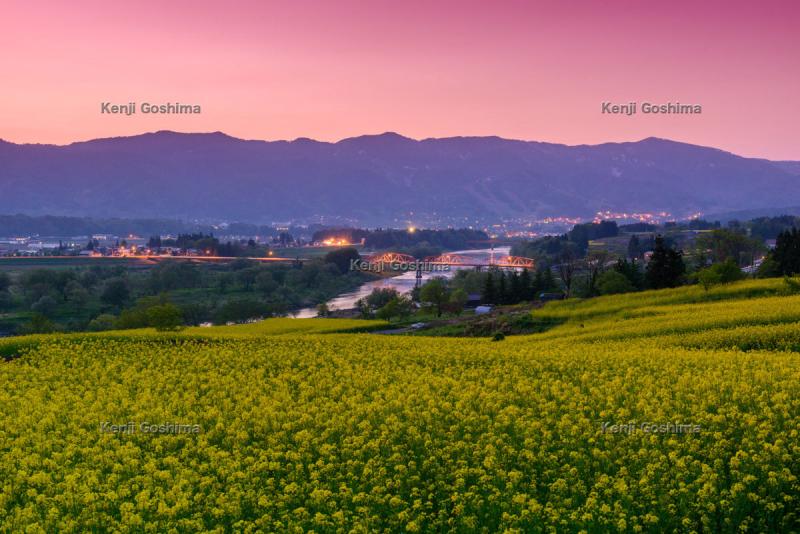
x=418 y=281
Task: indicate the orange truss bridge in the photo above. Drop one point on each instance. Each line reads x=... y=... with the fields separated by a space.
x=515 y=262
x=455 y=260
x=391 y=257
x=447 y=259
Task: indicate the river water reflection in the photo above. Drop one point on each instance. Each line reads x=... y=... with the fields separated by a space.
x=403 y=283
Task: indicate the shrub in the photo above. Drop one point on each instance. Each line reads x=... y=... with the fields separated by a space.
x=720 y=273
x=46 y=306
x=792 y=285
x=342 y=258
x=613 y=281
x=116 y=292
x=165 y=317
x=105 y=321
x=39 y=324
x=708 y=278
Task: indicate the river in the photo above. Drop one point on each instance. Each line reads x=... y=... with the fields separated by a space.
x=403 y=283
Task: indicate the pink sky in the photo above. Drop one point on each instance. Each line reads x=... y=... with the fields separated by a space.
x=328 y=69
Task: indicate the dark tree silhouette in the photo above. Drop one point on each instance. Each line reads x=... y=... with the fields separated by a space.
x=787 y=252
x=666 y=267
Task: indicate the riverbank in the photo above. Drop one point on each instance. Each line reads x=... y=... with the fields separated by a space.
x=403 y=283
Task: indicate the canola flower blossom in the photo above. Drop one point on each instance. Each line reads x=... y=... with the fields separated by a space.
x=305 y=428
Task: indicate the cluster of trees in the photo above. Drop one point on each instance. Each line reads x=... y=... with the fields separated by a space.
x=638 y=245
x=342 y=258
x=46 y=293
x=639 y=227
x=210 y=245
x=787 y=252
x=722 y=245
x=717 y=258
x=581 y=234
x=5 y=295
x=53 y=225
x=437 y=295
x=716 y=255
x=719 y=273
x=566 y=247
x=450 y=239
x=598 y=273
x=500 y=287
x=784 y=259
x=693 y=224
x=666 y=267
x=99 y=298
x=742 y=242
x=764 y=228
x=386 y=304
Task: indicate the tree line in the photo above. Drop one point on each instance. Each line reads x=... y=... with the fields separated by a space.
x=101 y=297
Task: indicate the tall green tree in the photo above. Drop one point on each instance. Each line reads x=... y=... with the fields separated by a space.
x=526 y=285
x=632 y=271
x=612 y=282
x=458 y=299
x=567 y=267
x=634 y=247
x=342 y=258
x=165 y=317
x=489 y=295
x=502 y=289
x=722 y=245
x=435 y=292
x=381 y=296
x=666 y=267
x=116 y=292
x=548 y=280
x=399 y=306
x=514 y=288
x=787 y=252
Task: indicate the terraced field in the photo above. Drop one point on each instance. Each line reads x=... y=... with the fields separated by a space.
x=673 y=410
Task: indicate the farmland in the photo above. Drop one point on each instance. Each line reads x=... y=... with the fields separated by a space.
x=319 y=425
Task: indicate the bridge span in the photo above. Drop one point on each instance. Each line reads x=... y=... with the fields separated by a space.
x=454 y=260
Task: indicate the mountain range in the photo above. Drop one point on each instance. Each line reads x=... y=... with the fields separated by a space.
x=377 y=179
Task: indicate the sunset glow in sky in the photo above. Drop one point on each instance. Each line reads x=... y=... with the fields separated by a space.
x=334 y=69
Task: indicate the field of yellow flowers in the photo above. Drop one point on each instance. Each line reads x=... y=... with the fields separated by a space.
x=674 y=410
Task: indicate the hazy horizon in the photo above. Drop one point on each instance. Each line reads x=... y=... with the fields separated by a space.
x=378 y=134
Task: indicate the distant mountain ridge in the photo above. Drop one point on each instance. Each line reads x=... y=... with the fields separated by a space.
x=377 y=178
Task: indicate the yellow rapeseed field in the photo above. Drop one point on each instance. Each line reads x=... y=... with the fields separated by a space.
x=674 y=410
